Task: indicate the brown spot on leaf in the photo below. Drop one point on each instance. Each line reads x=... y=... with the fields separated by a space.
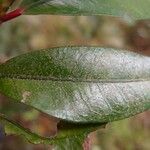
x=25 y=96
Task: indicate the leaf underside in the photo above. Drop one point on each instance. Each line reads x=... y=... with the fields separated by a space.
x=129 y=9
x=137 y=9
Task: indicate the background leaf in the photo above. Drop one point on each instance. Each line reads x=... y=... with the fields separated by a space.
x=138 y=9
x=80 y=84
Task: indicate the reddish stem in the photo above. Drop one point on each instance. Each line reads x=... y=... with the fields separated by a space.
x=11 y=15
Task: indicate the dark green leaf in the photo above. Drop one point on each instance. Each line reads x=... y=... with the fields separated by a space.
x=134 y=8
x=68 y=134
x=80 y=84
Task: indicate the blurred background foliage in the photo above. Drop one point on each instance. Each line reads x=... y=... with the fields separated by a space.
x=33 y=33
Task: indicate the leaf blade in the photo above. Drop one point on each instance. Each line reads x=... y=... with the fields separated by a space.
x=118 y=91
x=137 y=9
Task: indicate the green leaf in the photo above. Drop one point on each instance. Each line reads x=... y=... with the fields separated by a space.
x=63 y=141
x=80 y=84
x=69 y=135
x=135 y=8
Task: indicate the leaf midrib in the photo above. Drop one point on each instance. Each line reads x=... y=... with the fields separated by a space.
x=48 y=78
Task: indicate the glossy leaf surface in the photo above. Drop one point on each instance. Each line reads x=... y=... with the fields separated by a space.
x=80 y=84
